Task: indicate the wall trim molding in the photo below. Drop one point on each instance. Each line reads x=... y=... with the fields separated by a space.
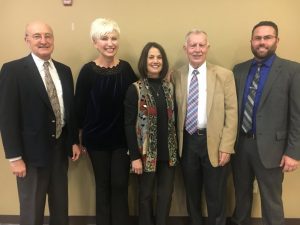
x=90 y=220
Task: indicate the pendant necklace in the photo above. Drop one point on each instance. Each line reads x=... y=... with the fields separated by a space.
x=155 y=91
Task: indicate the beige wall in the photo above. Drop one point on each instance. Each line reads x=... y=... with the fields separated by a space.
x=228 y=24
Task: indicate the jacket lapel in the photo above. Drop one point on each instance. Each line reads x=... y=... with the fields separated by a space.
x=67 y=91
x=241 y=81
x=63 y=81
x=210 y=80
x=274 y=72
x=184 y=90
x=37 y=82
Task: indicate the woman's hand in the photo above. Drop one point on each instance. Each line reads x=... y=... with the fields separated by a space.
x=137 y=166
x=76 y=152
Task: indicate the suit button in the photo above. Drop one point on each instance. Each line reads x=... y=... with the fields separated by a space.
x=53 y=121
x=53 y=135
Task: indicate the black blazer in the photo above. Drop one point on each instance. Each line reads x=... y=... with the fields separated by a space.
x=27 y=118
x=278 y=112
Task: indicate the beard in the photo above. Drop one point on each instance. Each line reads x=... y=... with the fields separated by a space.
x=263 y=55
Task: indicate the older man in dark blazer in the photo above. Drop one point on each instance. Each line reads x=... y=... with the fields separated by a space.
x=37 y=127
x=268 y=89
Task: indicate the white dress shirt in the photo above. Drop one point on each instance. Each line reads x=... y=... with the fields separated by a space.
x=202 y=88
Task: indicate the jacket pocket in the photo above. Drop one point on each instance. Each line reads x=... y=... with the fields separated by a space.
x=281 y=135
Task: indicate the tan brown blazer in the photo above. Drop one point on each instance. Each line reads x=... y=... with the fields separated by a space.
x=221 y=109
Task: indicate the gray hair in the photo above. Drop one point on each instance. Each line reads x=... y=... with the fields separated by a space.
x=102 y=26
x=195 y=31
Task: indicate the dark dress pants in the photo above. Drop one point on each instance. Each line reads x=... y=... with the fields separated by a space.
x=198 y=173
x=42 y=181
x=164 y=179
x=111 y=171
x=247 y=166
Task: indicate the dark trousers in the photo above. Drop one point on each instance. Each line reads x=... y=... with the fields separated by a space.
x=42 y=181
x=111 y=170
x=164 y=178
x=247 y=166
x=198 y=173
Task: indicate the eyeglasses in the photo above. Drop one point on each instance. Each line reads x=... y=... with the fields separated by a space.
x=38 y=36
x=265 y=38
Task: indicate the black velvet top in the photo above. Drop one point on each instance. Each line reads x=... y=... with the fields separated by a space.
x=99 y=97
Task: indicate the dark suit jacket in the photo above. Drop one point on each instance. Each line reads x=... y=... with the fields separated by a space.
x=27 y=118
x=278 y=113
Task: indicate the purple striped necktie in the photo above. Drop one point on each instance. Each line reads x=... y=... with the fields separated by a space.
x=191 y=120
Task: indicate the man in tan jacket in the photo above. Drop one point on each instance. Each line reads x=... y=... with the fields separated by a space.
x=207 y=127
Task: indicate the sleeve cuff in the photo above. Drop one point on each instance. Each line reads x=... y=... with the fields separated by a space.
x=15 y=159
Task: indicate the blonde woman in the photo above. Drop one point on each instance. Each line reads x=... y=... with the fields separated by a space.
x=100 y=91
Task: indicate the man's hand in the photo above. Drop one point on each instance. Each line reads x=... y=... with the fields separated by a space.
x=18 y=168
x=223 y=158
x=137 y=166
x=288 y=164
x=76 y=152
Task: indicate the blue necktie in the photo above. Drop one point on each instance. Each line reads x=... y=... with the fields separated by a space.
x=191 y=119
x=248 y=110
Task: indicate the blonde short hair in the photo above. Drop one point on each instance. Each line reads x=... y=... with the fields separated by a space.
x=102 y=26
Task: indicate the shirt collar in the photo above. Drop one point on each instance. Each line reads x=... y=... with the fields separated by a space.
x=201 y=69
x=266 y=62
x=40 y=62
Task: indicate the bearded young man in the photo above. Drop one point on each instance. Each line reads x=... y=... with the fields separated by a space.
x=268 y=143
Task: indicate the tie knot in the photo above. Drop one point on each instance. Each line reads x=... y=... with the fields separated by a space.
x=195 y=72
x=259 y=65
x=46 y=64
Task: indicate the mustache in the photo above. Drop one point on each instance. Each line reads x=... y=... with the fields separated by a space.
x=43 y=46
x=262 y=45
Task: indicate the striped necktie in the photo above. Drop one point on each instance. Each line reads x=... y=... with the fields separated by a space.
x=51 y=90
x=191 y=120
x=248 y=110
